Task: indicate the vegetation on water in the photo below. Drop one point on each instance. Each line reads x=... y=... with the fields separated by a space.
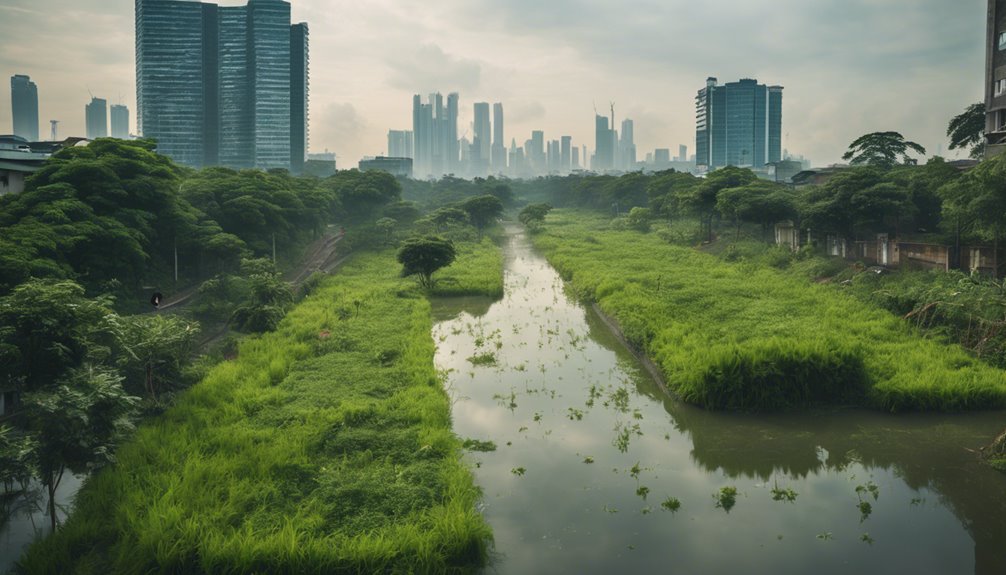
x=324 y=447
x=729 y=336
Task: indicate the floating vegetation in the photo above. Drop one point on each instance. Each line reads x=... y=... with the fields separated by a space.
x=865 y=538
x=588 y=459
x=634 y=470
x=487 y=358
x=787 y=494
x=726 y=498
x=610 y=509
x=574 y=414
x=826 y=536
x=671 y=504
x=537 y=416
x=870 y=488
x=865 y=509
x=479 y=445
x=646 y=510
x=518 y=471
x=643 y=491
x=917 y=501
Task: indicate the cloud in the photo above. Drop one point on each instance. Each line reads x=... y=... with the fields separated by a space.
x=428 y=69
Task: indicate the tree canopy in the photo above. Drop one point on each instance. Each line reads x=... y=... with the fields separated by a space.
x=967 y=130
x=423 y=256
x=881 y=149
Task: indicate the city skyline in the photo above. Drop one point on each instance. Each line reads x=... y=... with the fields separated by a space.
x=848 y=69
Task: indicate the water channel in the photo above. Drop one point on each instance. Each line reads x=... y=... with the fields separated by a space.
x=592 y=453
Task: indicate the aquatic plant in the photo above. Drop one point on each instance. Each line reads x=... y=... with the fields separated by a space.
x=726 y=498
x=671 y=504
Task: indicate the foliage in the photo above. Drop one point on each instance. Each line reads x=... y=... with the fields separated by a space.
x=881 y=149
x=156 y=350
x=477 y=270
x=747 y=337
x=701 y=200
x=17 y=459
x=759 y=202
x=424 y=255
x=533 y=215
x=639 y=219
x=269 y=297
x=857 y=199
x=305 y=454
x=76 y=424
x=978 y=198
x=967 y=130
x=483 y=211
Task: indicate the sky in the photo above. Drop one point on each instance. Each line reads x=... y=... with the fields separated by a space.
x=848 y=67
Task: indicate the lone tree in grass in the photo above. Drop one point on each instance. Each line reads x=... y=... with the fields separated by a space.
x=425 y=255
x=483 y=210
x=881 y=149
x=533 y=215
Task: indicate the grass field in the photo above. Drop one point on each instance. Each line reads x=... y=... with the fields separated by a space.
x=325 y=447
x=746 y=337
x=478 y=270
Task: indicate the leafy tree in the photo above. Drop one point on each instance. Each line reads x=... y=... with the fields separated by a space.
x=666 y=189
x=268 y=300
x=444 y=217
x=967 y=130
x=978 y=199
x=533 y=215
x=402 y=212
x=17 y=460
x=76 y=423
x=640 y=218
x=48 y=327
x=701 y=199
x=881 y=149
x=855 y=200
x=425 y=255
x=760 y=202
x=156 y=349
x=387 y=227
x=482 y=211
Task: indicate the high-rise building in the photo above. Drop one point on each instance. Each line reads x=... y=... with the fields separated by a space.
x=400 y=144
x=96 y=117
x=119 y=116
x=536 y=153
x=627 y=146
x=682 y=153
x=738 y=124
x=481 y=139
x=575 y=160
x=499 y=153
x=565 y=160
x=604 y=145
x=24 y=107
x=995 y=79
x=223 y=84
x=435 y=135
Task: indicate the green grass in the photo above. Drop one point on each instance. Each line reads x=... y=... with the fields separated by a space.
x=478 y=270
x=744 y=336
x=325 y=447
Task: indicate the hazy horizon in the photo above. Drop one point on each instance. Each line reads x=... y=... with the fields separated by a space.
x=848 y=67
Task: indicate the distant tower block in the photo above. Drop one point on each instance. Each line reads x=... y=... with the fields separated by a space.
x=52 y=134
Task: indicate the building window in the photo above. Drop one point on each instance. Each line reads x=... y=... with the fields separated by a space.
x=1002 y=40
x=1000 y=87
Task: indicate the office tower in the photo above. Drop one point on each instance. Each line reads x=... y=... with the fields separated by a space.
x=662 y=156
x=554 y=157
x=627 y=146
x=482 y=139
x=682 y=153
x=536 y=153
x=738 y=124
x=604 y=149
x=564 y=155
x=995 y=79
x=24 y=107
x=435 y=135
x=223 y=85
x=400 y=144
x=499 y=153
x=300 y=86
x=96 y=116
x=575 y=159
x=119 y=115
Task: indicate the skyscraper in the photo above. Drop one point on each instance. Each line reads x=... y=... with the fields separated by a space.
x=223 y=85
x=499 y=153
x=24 y=107
x=565 y=163
x=120 y=121
x=96 y=117
x=435 y=135
x=627 y=146
x=481 y=140
x=400 y=144
x=536 y=153
x=738 y=124
x=604 y=145
x=995 y=79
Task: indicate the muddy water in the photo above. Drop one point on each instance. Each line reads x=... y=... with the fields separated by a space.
x=589 y=449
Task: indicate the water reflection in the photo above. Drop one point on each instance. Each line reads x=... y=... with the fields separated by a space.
x=600 y=447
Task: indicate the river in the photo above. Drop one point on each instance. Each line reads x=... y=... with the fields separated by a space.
x=591 y=456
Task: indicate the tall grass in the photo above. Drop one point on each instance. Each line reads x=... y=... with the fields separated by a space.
x=324 y=448
x=478 y=270
x=743 y=336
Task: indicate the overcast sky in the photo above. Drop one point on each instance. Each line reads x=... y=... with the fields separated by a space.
x=848 y=66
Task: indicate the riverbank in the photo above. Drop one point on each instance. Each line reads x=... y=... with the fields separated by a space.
x=737 y=337
x=326 y=446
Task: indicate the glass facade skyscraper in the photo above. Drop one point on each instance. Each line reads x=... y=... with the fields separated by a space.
x=119 y=117
x=223 y=85
x=738 y=124
x=96 y=118
x=24 y=106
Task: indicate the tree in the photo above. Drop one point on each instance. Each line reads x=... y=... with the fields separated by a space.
x=978 y=199
x=269 y=297
x=17 y=460
x=156 y=349
x=76 y=423
x=387 y=228
x=701 y=199
x=423 y=256
x=533 y=215
x=639 y=219
x=760 y=202
x=444 y=217
x=855 y=200
x=967 y=130
x=881 y=149
x=482 y=211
